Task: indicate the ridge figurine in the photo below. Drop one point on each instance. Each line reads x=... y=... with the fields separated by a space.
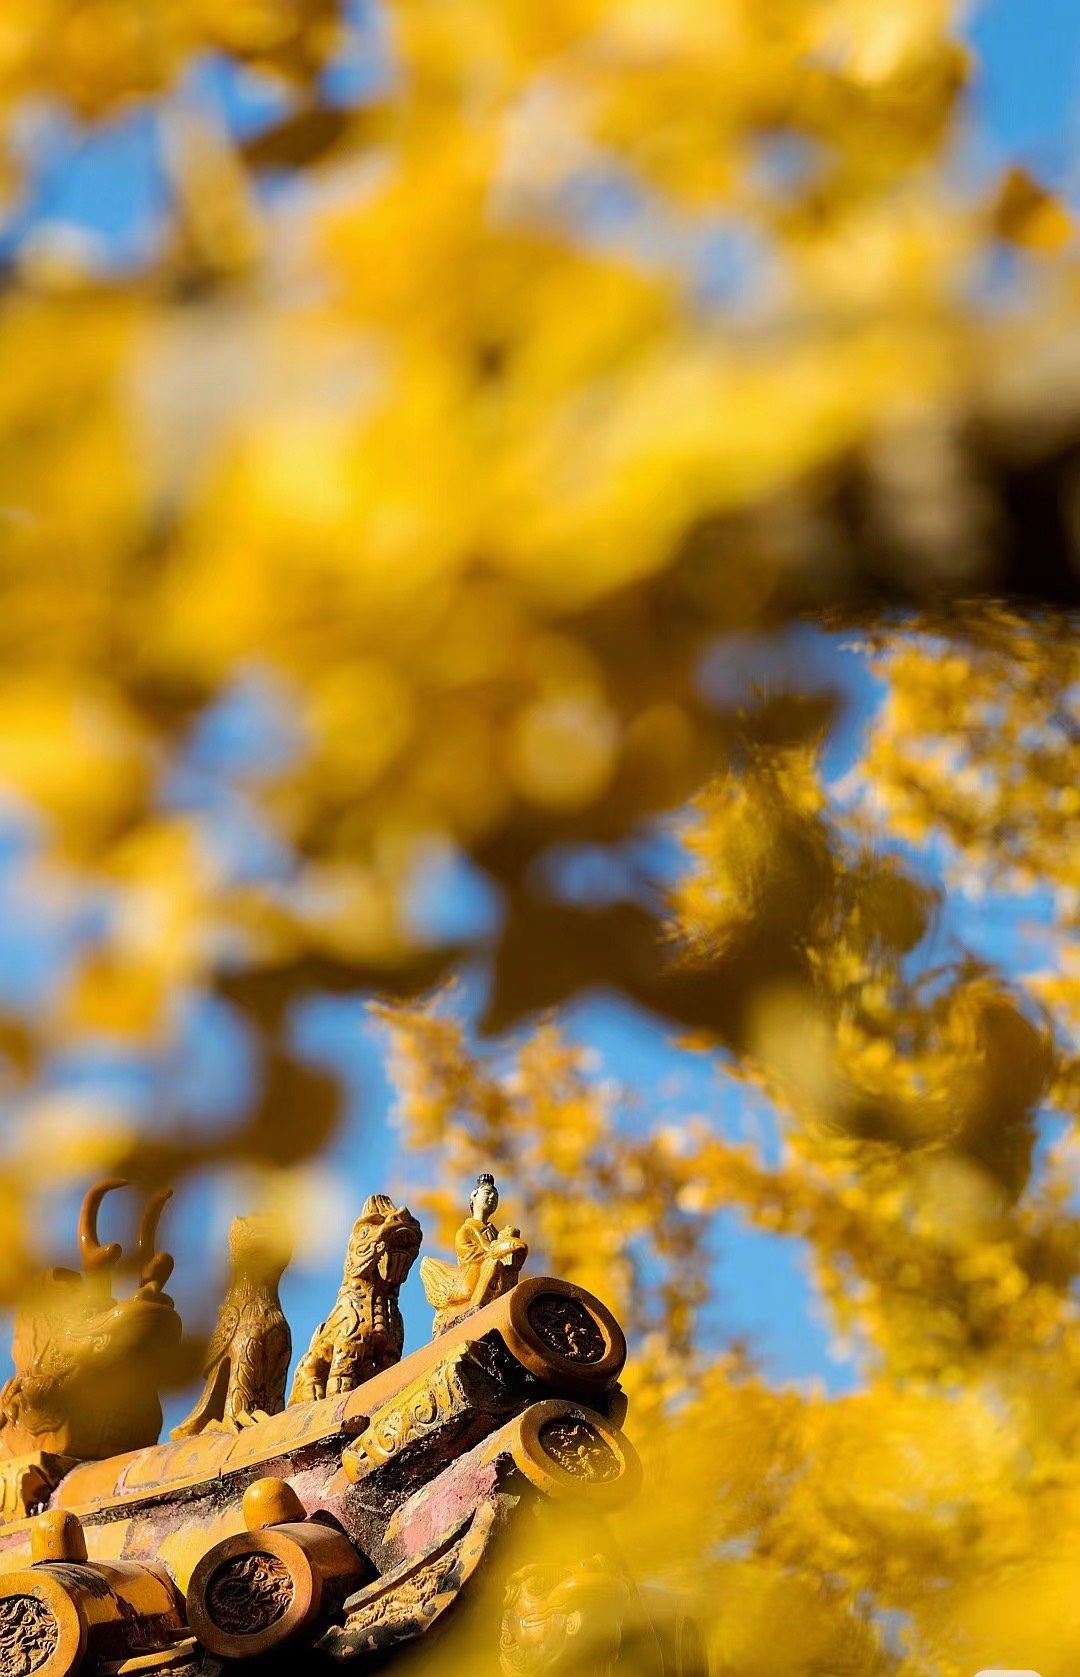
x=247 y=1360
x=548 y=1615
x=75 y=1347
x=364 y=1333
x=488 y=1261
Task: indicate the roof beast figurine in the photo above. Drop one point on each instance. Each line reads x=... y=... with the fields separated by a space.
x=76 y=1347
x=247 y=1360
x=364 y=1333
x=348 y=1524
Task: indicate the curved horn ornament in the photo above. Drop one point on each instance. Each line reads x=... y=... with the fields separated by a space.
x=154 y=1267
x=96 y=1257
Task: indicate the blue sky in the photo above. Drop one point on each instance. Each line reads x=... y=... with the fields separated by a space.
x=1026 y=105
x=1027 y=93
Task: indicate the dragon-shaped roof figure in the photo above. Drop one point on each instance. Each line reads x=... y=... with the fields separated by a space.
x=355 y=1523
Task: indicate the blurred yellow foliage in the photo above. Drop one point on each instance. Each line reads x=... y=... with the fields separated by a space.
x=471 y=413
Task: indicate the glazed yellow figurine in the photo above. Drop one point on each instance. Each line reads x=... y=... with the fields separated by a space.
x=88 y=1366
x=247 y=1361
x=364 y=1333
x=488 y=1261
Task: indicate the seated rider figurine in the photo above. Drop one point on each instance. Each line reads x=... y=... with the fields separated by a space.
x=488 y=1262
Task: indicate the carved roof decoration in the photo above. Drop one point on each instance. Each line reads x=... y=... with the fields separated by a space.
x=350 y=1522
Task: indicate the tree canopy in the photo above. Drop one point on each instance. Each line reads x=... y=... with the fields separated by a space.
x=498 y=387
